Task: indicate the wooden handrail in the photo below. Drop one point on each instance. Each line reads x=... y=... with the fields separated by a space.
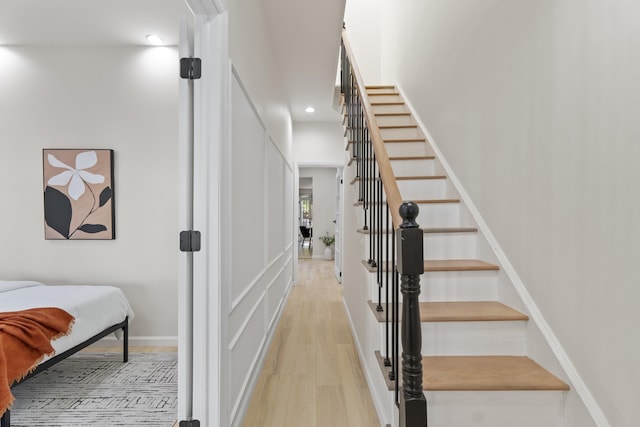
x=394 y=199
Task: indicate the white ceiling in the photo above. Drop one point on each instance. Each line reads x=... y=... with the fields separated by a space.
x=305 y=34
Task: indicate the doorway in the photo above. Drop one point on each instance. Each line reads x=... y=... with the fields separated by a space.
x=319 y=207
x=305 y=217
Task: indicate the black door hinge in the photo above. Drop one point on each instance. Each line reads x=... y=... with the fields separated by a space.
x=189 y=242
x=190 y=68
x=189 y=423
x=341 y=181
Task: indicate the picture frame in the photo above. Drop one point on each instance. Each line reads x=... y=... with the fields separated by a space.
x=78 y=194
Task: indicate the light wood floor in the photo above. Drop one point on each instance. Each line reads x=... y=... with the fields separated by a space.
x=312 y=374
x=305 y=252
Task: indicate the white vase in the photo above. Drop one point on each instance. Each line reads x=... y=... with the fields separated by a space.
x=328 y=253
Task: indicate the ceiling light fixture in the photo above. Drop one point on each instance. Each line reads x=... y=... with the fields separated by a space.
x=310 y=109
x=155 y=40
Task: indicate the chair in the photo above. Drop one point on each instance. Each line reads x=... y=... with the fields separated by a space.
x=305 y=232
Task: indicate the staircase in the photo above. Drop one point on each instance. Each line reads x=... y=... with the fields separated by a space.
x=476 y=371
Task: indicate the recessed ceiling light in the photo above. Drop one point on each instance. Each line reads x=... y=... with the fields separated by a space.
x=155 y=40
x=310 y=109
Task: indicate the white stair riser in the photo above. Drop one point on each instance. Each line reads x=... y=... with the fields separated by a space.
x=431 y=215
x=407 y=149
x=443 y=245
x=396 y=120
x=459 y=286
x=473 y=338
x=401 y=133
x=390 y=109
x=416 y=189
x=423 y=167
x=373 y=98
x=439 y=215
x=490 y=409
x=495 y=408
x=448 y=286
x=449 y=245
x=374 y=90
x=468 y=338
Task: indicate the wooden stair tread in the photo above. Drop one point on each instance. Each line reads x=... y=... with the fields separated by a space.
x=404 y=178
x=460 y=311
x=481 y=373
x=379 y=103
x=399 y=158
x=435 y=201
x=422 y=202
x=458 y=265
x=432 y=230
x=486 y=373
x=399 y=140
x=412 y=158
x=383 y=93
x=399 y=113
x=379 y=87
x=409 y=126
x=420 y=177
x=446 y=265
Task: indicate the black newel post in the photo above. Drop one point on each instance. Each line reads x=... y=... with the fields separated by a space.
x=413 y=404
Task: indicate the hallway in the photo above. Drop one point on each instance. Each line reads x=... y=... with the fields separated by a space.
x=312 y=374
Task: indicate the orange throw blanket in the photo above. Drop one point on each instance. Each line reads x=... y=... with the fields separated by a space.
x=25 y=338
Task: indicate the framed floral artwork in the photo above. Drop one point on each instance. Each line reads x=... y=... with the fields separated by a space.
x=78 y=194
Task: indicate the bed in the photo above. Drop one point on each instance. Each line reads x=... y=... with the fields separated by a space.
x=98 y=312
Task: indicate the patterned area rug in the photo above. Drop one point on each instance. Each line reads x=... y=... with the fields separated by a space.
x=99 y=390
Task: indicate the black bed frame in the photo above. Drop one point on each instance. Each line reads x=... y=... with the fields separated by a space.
x=5 y=421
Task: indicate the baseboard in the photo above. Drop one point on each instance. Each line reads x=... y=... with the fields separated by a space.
x=535 y=314
x=139 y=341
x=376 y=402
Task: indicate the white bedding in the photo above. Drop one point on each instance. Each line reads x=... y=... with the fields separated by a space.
x=95 y=308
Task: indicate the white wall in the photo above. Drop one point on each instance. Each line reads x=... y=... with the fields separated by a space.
x=363 y=21
x=324 y=203
x=535 y=105
x=318 y=142
x=119 y=98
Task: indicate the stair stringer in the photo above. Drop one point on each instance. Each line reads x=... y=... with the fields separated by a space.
x=542 y=344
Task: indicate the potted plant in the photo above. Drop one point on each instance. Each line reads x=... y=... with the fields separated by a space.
x=328 y=240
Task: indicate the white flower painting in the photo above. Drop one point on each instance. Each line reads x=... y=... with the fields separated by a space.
x=78 y=199
x=78 y=176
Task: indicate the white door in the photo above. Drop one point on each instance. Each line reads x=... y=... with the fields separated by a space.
x=338 y=233
x=185 y=222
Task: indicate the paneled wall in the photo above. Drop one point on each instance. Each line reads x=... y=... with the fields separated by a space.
x=261 y=222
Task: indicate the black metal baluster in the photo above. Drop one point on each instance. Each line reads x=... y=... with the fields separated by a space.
x=378 y=227
x=370 y=195
x=387 y=359
x=356 y=130
x=361 y=166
